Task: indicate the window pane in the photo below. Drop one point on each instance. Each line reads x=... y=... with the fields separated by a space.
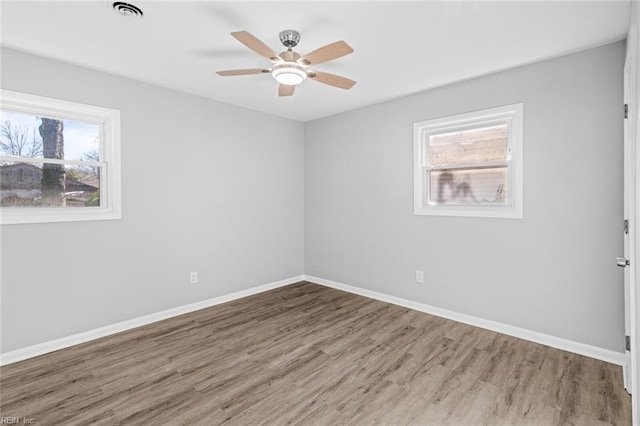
x=469 y=146
x=48 y=185
x=469 y=186
x=27 y=135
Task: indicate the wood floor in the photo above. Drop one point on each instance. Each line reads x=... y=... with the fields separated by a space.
x=310 y=355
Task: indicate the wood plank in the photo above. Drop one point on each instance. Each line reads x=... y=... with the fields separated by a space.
x=306 y=354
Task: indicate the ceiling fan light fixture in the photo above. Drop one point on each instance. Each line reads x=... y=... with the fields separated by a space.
x=289 y=73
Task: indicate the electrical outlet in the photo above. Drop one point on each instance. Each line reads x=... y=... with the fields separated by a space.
x=193 y=277
x=419 y=276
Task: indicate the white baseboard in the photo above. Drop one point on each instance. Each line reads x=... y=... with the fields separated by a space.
x=606 y=355
x=76 y=339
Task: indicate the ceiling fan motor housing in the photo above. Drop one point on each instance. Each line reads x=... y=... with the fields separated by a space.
x=289 y=38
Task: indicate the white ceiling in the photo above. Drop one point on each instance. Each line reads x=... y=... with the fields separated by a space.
x=399 y=47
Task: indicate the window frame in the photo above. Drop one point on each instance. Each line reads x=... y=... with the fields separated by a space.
x=512 y=116
x=110 y=169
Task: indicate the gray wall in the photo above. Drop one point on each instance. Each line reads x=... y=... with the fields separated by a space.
x=206 y=187
x=246 y=208
x=553 y=272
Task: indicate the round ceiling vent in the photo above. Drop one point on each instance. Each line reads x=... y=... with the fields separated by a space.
x=127 y=9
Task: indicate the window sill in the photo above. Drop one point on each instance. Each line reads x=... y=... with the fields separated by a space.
x=468 y=211
x=16 y=216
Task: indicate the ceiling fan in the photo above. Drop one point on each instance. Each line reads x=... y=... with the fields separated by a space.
x=289 y=68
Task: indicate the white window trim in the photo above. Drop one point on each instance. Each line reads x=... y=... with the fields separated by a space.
x=110 y=191
x=512 y=115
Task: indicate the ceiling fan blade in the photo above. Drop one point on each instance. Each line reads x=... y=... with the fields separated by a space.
x=286 y=89
x=256 y=45
x=332 y=79
x=326 y=53
x=241 y=72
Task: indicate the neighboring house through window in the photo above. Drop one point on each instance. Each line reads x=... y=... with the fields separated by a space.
x=59 y=160
x=470 y=164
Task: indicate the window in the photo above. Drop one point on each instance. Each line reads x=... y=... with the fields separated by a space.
x=59 y=160
x=470 y=164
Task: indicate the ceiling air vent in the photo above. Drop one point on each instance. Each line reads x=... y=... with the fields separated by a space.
x=127 y=9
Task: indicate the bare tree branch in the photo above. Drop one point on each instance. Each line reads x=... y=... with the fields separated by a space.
x=14 y=141
x=92 y=155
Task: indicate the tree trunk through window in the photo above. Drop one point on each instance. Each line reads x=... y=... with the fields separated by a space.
x=53 y=175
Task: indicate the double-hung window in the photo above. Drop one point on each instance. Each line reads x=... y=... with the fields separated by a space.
x=470 y=164
x=59 y=160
